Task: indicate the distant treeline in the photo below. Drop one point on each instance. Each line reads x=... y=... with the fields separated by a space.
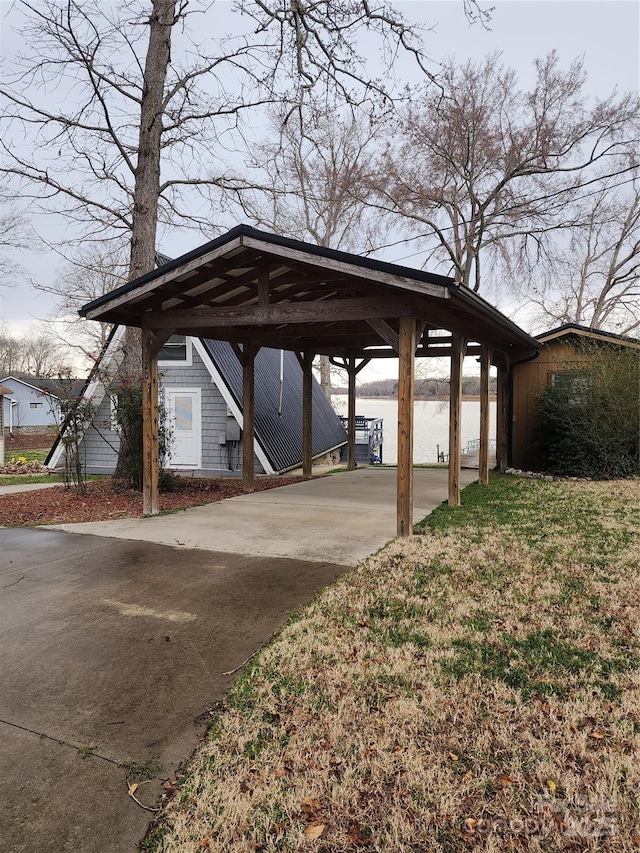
x=425 y=388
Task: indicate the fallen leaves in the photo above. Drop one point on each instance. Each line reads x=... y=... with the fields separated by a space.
x=131 y=790
x=58 y=505
x=314 y=830
x=407 y=757
x=357 y=836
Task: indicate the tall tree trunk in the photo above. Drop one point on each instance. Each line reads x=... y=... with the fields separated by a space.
x=325 y=376
x=145 y=199
x=147 y=182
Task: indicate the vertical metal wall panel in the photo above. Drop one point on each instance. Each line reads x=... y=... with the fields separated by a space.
x=279 y=434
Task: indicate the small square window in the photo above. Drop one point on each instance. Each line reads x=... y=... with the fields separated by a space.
x=574 y=383
x=177 y=350
x=35 y=405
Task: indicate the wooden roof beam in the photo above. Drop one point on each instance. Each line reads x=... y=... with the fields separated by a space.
x=280 y=313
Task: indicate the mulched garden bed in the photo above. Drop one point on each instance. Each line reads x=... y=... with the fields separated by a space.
x=104 y=502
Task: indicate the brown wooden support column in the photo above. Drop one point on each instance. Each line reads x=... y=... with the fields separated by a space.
x=150 y=450
x=483 y=461
x=455 y=416
x=406 y=364
x=248 y=416
x=502 y=421
x=351 y=414
x=307 y=414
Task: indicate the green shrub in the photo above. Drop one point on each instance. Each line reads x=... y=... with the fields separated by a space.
x=128 y=420
x=589 y=425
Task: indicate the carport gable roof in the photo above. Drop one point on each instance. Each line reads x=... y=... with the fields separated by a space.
x=283 y=293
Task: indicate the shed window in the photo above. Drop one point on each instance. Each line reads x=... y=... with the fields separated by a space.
x=574 y=381
x=35 y=405
x=177 y=350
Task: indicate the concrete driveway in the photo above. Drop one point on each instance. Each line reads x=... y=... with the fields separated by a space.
x=112 y=652
x=341 y=518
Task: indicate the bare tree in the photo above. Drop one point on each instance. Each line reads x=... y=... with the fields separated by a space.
x=134 y=134
x=307 y=178
x=43 y=355
x=11 y=354
x=127 y=113
x=15 y=235
x=38 y=353
x=85 y=275
x=105 y=107
x=593 y=277
x=487 y=162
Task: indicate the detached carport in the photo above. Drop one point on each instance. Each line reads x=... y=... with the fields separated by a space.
x=256 y=289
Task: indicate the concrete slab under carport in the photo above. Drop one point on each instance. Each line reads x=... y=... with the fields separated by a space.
x=342 y=517
x=119 y=646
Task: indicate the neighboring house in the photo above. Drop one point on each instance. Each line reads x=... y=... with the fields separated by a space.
x=35 y=403
x=201 y=391
x=562 y=359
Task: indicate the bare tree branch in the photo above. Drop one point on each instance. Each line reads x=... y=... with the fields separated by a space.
x=488 y=162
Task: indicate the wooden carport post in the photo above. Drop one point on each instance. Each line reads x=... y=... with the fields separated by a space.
x=406 y=365
x=248 y=416
x=455 y=416
x=483 y=456
x=307 y=414
x=351 y=413
x=150 y=446
x=502 y=420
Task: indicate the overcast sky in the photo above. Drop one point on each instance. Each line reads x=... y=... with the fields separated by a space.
x=606 y=33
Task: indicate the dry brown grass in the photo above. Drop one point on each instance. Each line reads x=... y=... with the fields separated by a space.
x=473 y=688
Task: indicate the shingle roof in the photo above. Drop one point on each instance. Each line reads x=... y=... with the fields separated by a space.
x=63 y=389
x=577 y=329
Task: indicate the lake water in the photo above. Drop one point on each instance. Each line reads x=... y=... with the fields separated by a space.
x=431 y=424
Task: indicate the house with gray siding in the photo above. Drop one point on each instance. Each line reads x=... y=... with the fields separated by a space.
x=30 y=403
x=201 y=396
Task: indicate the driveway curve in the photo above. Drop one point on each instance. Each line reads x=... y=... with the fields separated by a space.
x=112 y=653
x=341 y=518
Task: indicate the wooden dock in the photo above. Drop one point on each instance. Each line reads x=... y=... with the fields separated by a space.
x=471 y=459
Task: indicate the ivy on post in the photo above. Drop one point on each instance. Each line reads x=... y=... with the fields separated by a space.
x=150 y=442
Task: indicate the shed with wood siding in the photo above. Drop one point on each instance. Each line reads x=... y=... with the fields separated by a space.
x=560 y=352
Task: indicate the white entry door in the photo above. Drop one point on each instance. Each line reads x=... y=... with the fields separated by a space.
x=184 y=419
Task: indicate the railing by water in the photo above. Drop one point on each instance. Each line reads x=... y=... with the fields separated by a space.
x=369 y=439
x=470 y=447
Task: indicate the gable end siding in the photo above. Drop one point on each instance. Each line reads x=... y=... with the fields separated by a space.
x=100 y=444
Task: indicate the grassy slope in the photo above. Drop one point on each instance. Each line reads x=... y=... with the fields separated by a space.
x=21 y=479
x=474 y=688
x=28 y=455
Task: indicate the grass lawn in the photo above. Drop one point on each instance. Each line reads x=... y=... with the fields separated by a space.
x=28 y=455
x=476 y=687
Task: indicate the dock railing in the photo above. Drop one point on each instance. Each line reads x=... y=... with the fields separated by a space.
x=470 y=447
x=369 y=437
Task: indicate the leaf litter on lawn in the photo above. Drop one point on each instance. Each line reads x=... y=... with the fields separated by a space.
x=104 y=502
